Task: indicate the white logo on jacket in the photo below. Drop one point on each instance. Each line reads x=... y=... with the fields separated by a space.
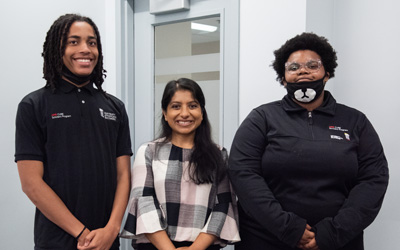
x=108 y=115
x=336 y=137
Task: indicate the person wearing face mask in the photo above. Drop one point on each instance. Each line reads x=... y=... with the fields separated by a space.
x=309 y=173
x=73 y=145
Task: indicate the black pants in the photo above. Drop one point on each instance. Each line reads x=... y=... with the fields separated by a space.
x=150 y=246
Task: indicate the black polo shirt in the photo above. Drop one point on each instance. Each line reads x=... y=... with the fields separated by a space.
x=77 y=133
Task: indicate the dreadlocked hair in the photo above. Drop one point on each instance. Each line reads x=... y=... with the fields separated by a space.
x=54 y=49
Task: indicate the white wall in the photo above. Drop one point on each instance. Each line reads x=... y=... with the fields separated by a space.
x=264 y=27
x=366 y=37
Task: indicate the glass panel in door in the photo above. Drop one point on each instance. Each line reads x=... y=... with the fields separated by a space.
x=189 y=49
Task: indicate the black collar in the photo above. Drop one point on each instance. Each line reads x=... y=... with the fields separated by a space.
x=67 y=87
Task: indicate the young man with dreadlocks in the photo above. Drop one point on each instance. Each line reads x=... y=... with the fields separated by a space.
x=73 y=145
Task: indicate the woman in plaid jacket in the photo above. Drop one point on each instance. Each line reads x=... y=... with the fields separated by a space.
x=181 y=195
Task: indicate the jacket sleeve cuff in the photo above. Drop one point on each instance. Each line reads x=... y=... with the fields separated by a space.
x=294 y=233
x=324 y=235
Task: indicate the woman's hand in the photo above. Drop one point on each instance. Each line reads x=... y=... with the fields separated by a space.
x=312 y=245
x=307 y=241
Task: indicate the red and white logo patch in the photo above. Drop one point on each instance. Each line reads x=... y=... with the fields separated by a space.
x=59 y=115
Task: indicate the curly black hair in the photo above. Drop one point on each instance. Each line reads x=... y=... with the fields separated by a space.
x=305 y=41
x=54 y=49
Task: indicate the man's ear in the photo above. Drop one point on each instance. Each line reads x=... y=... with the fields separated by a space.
x=284 y=82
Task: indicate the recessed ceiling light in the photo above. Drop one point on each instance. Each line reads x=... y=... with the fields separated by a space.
x=203 y=27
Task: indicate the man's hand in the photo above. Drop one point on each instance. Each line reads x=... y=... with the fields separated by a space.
x=99 y=239
x=81 y=239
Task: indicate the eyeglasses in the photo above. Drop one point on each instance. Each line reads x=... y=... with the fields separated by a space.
x=312 y=66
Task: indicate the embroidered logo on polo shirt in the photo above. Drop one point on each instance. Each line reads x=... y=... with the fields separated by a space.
x=108 y=115
x=59 y=115
x=337 y=128
x=338 y=137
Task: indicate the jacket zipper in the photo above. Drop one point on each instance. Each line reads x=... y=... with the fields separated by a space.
x=310 y=123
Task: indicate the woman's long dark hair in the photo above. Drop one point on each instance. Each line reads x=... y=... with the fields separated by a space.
x=206 y=163
x=54 y=48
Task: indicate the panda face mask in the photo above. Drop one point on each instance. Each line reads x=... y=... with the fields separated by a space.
x=305 y=92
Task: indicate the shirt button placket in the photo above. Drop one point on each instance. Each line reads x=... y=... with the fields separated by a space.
x=80 y=97
x=79 y=91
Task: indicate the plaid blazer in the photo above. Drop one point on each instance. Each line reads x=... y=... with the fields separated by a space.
x=164 y=198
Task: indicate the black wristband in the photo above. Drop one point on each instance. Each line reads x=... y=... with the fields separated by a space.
x=79 y=235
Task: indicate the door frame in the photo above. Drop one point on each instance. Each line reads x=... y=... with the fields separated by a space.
x=143 y=96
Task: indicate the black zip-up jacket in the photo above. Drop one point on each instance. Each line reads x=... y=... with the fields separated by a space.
x=291 y=167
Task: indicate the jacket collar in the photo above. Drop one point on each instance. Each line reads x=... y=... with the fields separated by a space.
x=328 y=105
